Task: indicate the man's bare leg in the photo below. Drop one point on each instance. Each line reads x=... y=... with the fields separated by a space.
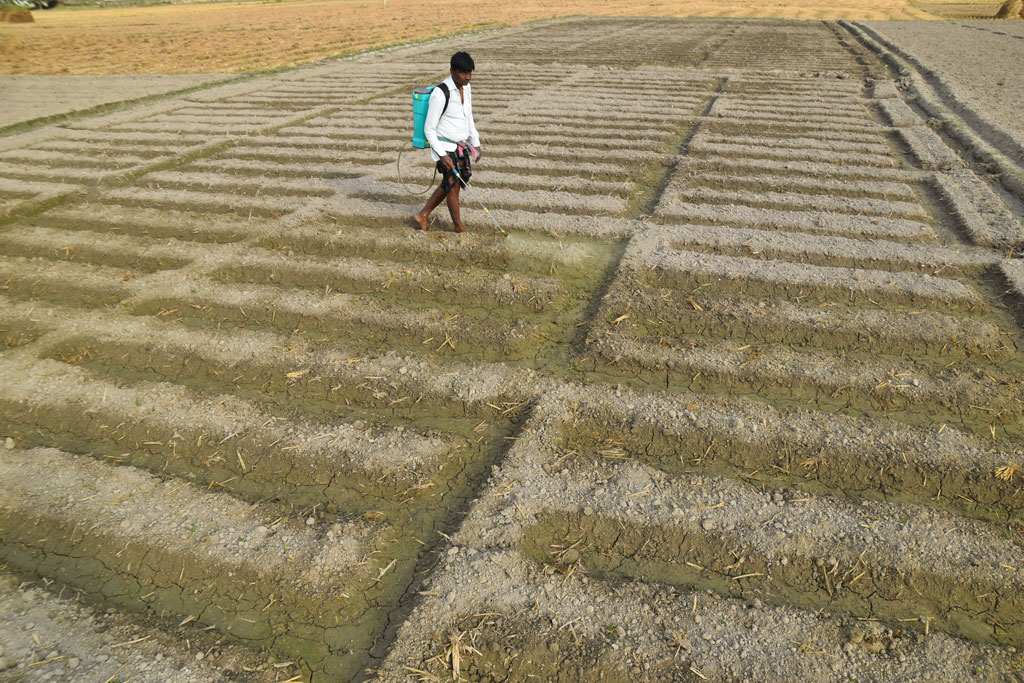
x=453 y=208
x=432 y=203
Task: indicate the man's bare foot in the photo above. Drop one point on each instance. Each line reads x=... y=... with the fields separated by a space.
x=421 y=221
x=460 y=228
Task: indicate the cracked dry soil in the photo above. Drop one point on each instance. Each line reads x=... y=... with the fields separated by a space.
x=738 y=398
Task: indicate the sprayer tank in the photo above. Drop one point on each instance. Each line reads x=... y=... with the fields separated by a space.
x=420 y=104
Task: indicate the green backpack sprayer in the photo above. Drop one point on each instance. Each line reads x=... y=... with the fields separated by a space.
x=420 y=105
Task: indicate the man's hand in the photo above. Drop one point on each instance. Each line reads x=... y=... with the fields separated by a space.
x=478 y=153
x=448 y=163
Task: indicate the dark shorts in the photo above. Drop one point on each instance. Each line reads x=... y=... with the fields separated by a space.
x=462 y=162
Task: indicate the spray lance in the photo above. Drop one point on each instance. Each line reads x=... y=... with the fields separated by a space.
x=493 y=220
x=466 y=185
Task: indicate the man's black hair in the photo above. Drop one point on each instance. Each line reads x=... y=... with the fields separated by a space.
x=461 y=61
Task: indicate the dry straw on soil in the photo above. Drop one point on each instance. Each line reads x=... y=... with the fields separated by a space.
x=16 y=16
x=1011 y=9
x=244 y=37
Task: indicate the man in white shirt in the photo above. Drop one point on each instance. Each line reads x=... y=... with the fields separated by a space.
x=454 y=140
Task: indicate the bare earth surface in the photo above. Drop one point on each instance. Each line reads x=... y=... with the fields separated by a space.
x=979 y=76
x=236 y=37
x=56 y=639
x=32 y=97
x=737 y=398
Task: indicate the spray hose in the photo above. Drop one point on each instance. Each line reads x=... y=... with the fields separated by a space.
x=398 y=165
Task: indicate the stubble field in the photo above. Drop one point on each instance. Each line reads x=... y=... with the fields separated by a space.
x=251 y=36
x=739 y=396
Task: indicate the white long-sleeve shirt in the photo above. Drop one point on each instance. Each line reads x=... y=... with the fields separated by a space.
x=457 y=123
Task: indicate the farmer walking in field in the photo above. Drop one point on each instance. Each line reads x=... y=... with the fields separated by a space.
x=454 y=140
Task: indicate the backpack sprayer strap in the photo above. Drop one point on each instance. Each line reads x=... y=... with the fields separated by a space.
x=443 y=87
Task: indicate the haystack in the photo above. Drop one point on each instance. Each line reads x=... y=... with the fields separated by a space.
x=1011 y=9
x=23 y=16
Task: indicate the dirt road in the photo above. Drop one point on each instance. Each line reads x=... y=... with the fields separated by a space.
x=974 y=83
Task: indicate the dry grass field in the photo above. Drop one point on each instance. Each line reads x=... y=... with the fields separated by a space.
x=252 y=36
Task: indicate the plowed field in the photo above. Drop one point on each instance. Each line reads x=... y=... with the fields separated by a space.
x=251 y=36
x=738 y=397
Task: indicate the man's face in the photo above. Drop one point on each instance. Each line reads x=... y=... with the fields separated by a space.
x=461 y=78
